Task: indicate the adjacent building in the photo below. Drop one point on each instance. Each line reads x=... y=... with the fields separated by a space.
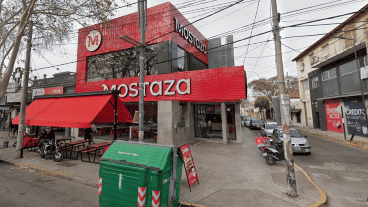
x=331 y=74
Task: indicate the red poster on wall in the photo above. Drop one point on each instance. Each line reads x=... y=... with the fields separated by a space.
x=333 y=116
x=189 y=164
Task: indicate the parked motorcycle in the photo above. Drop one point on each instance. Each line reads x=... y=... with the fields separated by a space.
x=274 y=153
x=50 y=147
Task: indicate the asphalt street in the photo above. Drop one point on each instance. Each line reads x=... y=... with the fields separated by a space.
x=21 y=187
x=341 y=171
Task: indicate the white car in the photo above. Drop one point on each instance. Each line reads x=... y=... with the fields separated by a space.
x=267 y=129
x=299 y=143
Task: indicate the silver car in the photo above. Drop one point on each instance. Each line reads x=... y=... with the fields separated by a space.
x=267 y=129
x=299 y=143
x=247 y=121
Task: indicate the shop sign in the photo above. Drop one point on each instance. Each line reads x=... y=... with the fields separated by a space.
x=356 y=119
x=333 y=115
x=47 y=91
x=13 y=97
x=133 y=89
x=93 y=40
x=179 y=28
x=189 y=164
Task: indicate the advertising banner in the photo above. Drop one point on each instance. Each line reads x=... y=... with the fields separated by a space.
x=47 y=91
x=189 y=164
x=333 y=115
x=285 y=103
x=355 y=116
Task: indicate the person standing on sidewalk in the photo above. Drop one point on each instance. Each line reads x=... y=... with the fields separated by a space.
x=8 y=127
x=15 y=130
x=88 y=136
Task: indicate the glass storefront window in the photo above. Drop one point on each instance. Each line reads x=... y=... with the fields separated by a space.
x=178 y=63
x=196 y=64
x=121 y=64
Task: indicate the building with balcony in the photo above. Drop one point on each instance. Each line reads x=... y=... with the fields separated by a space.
x=331 y=77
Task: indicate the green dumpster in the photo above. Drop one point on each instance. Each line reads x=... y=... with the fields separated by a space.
x=139 y=174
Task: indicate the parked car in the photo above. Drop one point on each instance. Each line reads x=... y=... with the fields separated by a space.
x=299 y=143
x=267 y=129
x=243 y=119
x=247 y=121
x=256 y=124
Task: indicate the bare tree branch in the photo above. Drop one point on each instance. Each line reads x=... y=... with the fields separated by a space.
x=11 y=17
x=7 y=34
x=3 y=60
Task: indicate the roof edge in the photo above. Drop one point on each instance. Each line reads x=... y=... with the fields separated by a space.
x=364 y=9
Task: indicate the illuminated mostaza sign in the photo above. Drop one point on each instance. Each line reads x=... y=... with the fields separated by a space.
x=173 y=87
x=179 y=28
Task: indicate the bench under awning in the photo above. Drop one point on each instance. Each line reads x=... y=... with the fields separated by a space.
x=75 y=111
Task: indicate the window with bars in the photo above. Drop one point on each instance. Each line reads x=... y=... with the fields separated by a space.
x=314 y=81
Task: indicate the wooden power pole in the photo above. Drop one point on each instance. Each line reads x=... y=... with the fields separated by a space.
x=24 y=94
x=285 y=106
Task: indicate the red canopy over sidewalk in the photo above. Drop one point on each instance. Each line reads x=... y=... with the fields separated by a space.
x=74 y=112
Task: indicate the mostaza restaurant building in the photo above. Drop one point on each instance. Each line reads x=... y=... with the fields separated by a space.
x=181 y=94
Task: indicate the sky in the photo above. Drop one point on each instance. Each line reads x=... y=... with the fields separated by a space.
x=256 y=53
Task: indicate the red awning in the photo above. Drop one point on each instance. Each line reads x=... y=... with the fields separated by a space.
x=74 y=112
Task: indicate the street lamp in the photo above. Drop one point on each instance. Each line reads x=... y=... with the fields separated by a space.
x=360 y=82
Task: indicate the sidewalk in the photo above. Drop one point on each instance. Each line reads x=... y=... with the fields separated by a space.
x=229 y=175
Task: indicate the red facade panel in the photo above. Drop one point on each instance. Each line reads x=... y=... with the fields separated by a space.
x=211 y=85
x=160 y=28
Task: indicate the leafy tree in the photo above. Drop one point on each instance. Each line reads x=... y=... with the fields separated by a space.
x=53 y=21
x=262 y=102
x=269 y=87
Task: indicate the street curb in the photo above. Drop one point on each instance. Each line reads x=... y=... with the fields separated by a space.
x=190 y=204
x=53 y=173
x=323 y=197
x=70 y=177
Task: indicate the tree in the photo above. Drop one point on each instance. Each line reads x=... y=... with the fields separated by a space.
x=269 y=87
x=53 y=25
x=262 y=102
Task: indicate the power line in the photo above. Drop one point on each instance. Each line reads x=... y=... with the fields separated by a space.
x=251 y=32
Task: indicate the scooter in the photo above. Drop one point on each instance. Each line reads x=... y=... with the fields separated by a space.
x=50 y=147
x=274 y=153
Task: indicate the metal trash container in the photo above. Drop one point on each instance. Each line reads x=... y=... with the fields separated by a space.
x=139 y=174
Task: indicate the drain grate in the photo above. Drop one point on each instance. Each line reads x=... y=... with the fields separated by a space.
x=67 y=164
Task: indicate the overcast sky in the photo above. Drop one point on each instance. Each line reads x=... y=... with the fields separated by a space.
x=260 y=60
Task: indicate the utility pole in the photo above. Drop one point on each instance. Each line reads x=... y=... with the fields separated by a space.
x=23 y=104
x=285 y=106
x=142 y=23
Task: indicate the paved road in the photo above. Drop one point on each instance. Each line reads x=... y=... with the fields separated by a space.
x=20 y=187
x=341 y=171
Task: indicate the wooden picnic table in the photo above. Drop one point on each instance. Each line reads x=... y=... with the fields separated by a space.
x=64 y=139
x=95 y=148
x=72 y=145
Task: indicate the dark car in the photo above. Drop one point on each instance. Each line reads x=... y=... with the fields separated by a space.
x=299 y=143
x=256 y=124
